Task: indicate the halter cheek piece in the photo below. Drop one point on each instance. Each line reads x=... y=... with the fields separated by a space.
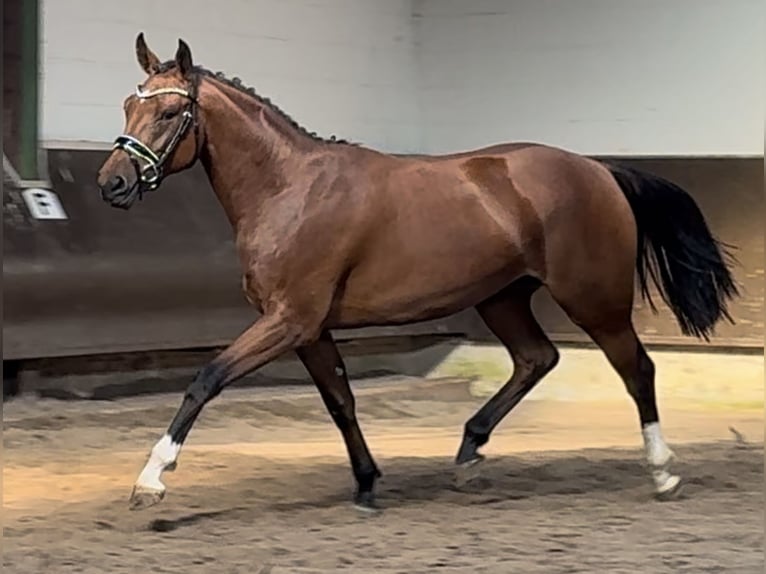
x=150 y=175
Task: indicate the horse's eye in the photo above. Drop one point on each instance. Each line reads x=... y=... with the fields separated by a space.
x=169 y=114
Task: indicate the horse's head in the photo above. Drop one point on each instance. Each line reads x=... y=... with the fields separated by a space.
x=161 y=134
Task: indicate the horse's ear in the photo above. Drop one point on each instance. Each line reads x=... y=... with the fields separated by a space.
x=184 y=58
x=147 y=59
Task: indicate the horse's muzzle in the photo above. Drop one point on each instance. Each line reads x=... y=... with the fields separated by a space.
x=118 y=193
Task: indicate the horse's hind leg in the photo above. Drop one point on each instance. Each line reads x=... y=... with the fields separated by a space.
x=508 y=315
x=611 y=328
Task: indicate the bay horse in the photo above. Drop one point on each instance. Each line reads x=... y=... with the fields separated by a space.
x=333 y=235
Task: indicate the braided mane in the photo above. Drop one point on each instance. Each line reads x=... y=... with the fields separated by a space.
x=237 y=84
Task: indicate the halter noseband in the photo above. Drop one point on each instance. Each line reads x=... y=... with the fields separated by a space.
x=150 y=175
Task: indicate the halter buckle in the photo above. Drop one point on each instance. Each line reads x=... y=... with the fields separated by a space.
x=151 y=175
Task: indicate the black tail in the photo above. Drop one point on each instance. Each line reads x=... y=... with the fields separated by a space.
x=676 y=249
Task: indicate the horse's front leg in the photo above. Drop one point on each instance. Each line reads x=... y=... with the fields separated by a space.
x=269 y=337
x=325 y=365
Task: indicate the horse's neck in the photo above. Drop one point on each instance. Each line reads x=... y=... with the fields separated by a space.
x=247 y=152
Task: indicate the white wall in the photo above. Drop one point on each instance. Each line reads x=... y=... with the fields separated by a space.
x=644 y=77
x=634 y=77
x=337 y=66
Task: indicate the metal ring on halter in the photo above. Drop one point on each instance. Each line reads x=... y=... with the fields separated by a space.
x=150 y=175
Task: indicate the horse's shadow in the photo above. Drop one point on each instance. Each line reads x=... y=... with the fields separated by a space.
x=502 y=482
x=168 y=525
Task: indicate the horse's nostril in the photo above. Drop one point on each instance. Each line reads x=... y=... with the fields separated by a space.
x=118 y=183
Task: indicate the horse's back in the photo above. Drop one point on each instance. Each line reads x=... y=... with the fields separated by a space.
x=553 y=204
x=494 y=149
x=526 y=182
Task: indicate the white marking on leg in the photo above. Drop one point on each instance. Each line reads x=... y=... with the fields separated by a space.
x=163 y=455
x=659 y=455
x=664 y=481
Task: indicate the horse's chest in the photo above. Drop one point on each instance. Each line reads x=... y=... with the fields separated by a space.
x=262 y=276
x=249 y=289
x=254 y=276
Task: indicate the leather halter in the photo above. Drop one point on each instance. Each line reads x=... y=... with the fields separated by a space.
x=151 y=174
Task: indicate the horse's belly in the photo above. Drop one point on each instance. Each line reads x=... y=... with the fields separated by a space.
x=418 y=292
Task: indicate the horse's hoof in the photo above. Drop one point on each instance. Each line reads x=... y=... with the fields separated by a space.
x=143 y=497
x=365 y=503
x=368 y=509
x=671 y=490
x=468 y=471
